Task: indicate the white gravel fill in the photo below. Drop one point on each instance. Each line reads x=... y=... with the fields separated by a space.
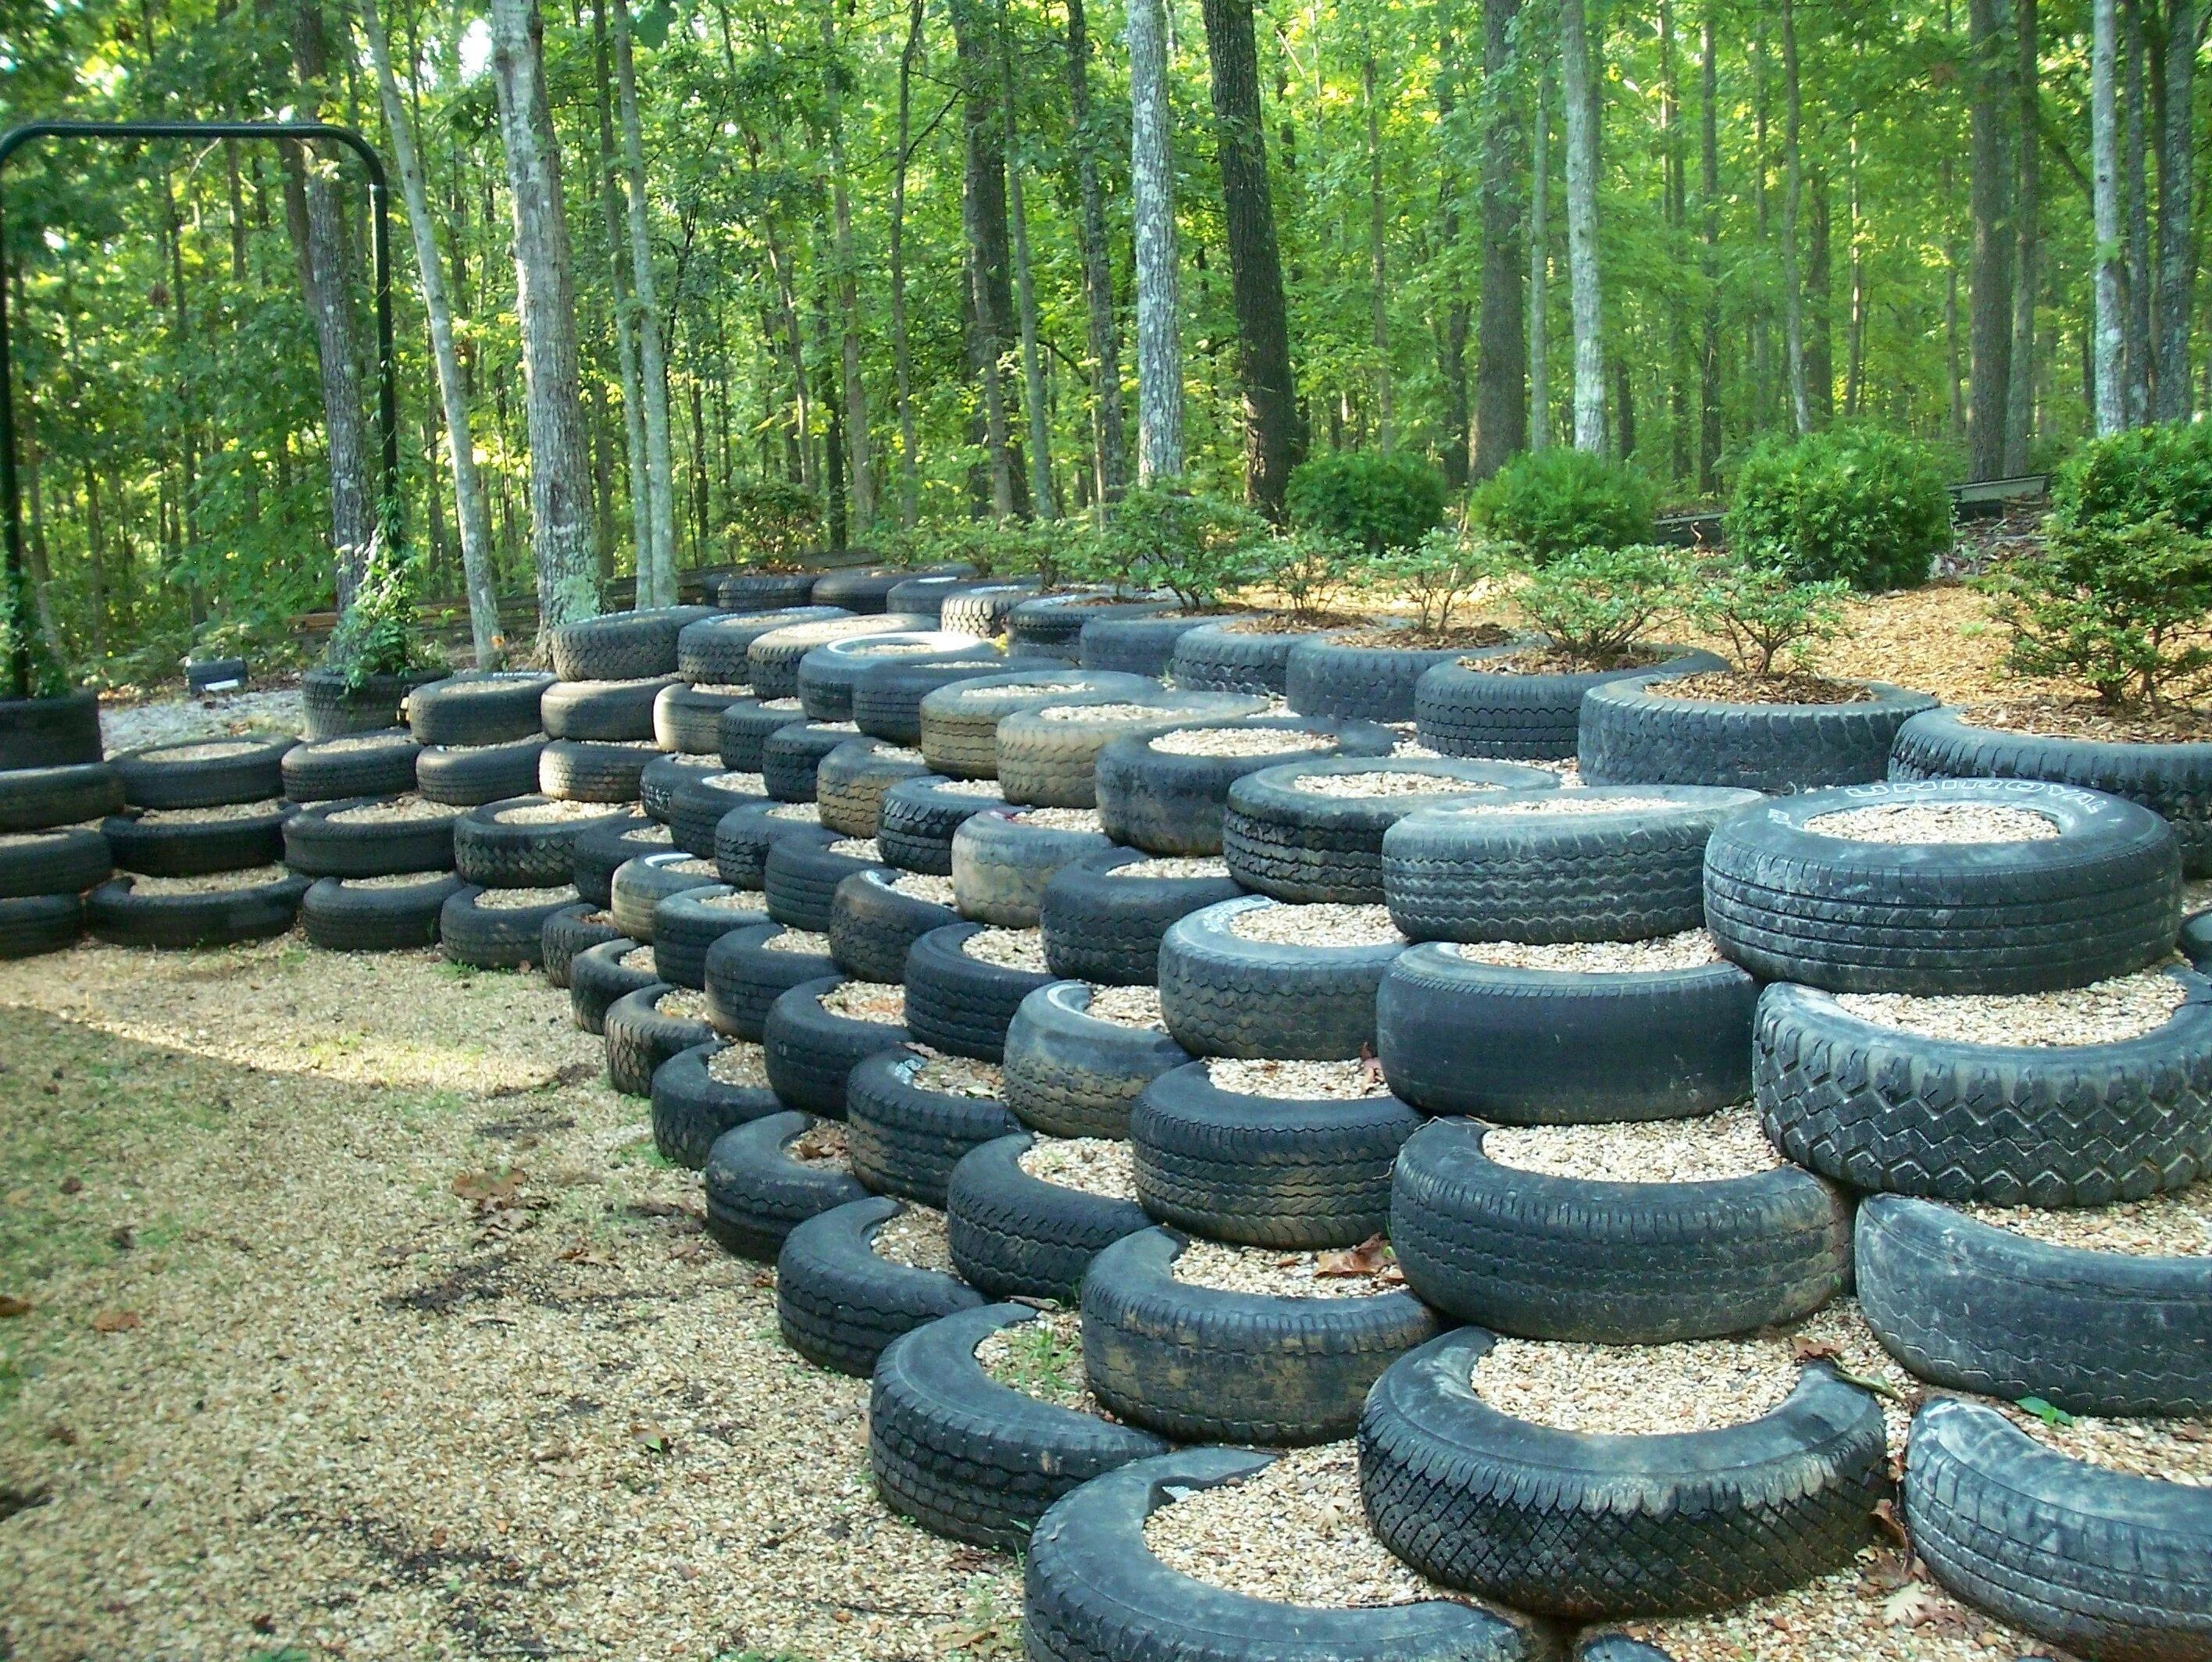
x=1324 y=926
x=1636 y=1389
x=1727 y=1144
x=1687 y=950
x=2102 y=1013
x=1095 y=1165
x=1298 y=1082
x=1935 y=821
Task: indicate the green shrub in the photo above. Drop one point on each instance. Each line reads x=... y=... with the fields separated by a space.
x=375 y=634
x=49 y=678
x=772 y=522
x=2129 y=478
x=1376 y=499
x=1551 y=501
x=1595 y=605
x=1857 y=503
x=1307 y=567
x=2124 y=609
x=1195 y=546
x=1447 y=567
x=1764 y=612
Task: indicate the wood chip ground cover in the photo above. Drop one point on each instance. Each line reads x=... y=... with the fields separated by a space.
x=396 y=880
x=1729 y=1144
x=2102 y=1013
x=858 y=848
x=867 y=1001
x=398 y=808
x=1730 y=687
x=921 y=886
x=954 y=1075
x=1385 y=782
x=557 y=813
x=739 y=784
x=1298 y=1081
x=228 y=811
x=516 y=900
x=2177 y=1225
x=1240 y=742
x=682 y=1005
x=640 y=958
x=1058 y=819
x=208 y=750
x=1553 y=803
x=965 y=787
x=1352 y=1273
x=1637 y=1390
x=797 y=940
x=213 y=883
x=803 y=813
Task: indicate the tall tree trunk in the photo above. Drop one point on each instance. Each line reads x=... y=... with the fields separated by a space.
x=1274 y=443
x=2136 y=274
x=1708 y=201
x=1041 y=494
x=2111 y=403
x=861 y=462
x=1378 y=276
x=1151 y=182
x=2020 y=390
x=1820 y=301
x=545 y=307
x=983 y=218
x=1540 y=267
x=610 y=217
x=1793 y=192
x=473 y=511
x=1990 y=289
x=1579 y=84
x=656 y=585
x=1854 y=338
x=1108 y=442
x=1678 y=218
x=1456 y=320
x=2176 y=233
x=1501 y=402
x=902 y=349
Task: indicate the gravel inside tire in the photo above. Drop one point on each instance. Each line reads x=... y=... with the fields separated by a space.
x=362 y=765
x=810 y=1053
x=1225 y=996
x=849 y=784
x=755 y=1193
x=62 y=862
x=1017 y=1236
x=318 y=843
x=33 y=925
x=495 y=937
x=960 y=723
x=686 y=924
x=598 y=977
x=607 y=712
x=1462 y=710
x=254 y=912
x=839 y=1304
x=38 y=798
x=1632 y=733
x=621 y=645
x=1068 y=1073
x=1172 y=804
x=963 y=1005
x=575 y=770
x=473 y=710
x=918 y=819
x=494 y=850
x=1099 y=927
x=1333 y=675
x=1052 y=763
x=641 y=883
x=772 y=660
x=468 y=777
x=342 y=917
x=640 y=1038
x=568 y=931
x=245 y=770
x=1002 y=862
x=156 y=848
x=691 y=1108
x=905 y=1138
x=872 y=926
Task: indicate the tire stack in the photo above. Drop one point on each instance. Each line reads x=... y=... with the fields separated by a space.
x=55 y=787
x=481 y=736
x=600 y=713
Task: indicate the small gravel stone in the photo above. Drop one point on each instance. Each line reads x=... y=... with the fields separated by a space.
x=2102 y=1013
x=739 y=784
x=858 y=848
x=780 y=704
x=694 y=868
x=829 y=628
x=651 y=833
x=228 y=811
x=554 y=813
x=207 y=750
x=797 y=940
x=1691 y=948
x=1108 y=712
x=1328 y=924
x=731 y=688
x=1354 y=1273
x=213 y=883
x=1935 y=821
x=1043 y=1358
x=1096 y=1165
x=920 y=886
x=396 y=880
x=1127 y=1007
x=2177 y=1225
x=966 y=787
x=682 y=1005
x=2171 y=1450
x=955 y=1076
x=1553 y=803
x=1009 y=949
x=640 y=957
x=1636 y=1389
x=867 y=1001
x=1059 y=819
x=804 y=813
x=915 y=1238
x=738 y=900
x=1385 y=782
x=1173 y=869
x=1881 y=1610
x=1240 y=742
x=1298 y=1082
x=1727 y=1144
x=821 y=1143
x=740 y=1065
x=397 y=809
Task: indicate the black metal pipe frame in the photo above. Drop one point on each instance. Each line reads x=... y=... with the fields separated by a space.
x=387 y=401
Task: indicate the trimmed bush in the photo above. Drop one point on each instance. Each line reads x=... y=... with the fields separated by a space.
x=1377 y=500
x=2128 y=478
x=1194 y=546
x=1552 y=501
x=1854 y=503
x=1596 y=604
x=2124 y=609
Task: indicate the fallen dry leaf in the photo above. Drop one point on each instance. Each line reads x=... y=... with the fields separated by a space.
x=1372 y=1256
x=1887 y=1520
x=115 y=1321
x=1812 y=1349
x=494 y=1186
x=1911 y=1606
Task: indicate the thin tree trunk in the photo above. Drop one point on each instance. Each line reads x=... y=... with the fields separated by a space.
x=1990 y=292
x=1501 y=404
x=1151 y=180
x=1378 y=276
x=2135 y=208
x=901 y=351
x=1107 y=441
x=983 y=218
x=1457 y=320
x=545 y=307
x=1579 y=83
x=2111 y=404
x=1709 y=194
x=1820 y=301
x=610 y=216
x=652 y=349
x=1678 y=218
x=1041 y=494
x=1274 y=443
x=859 y=458
x=1854 y=338
x=1793 y=190
x=2020 y=390
x=472 y=511
x=1540 y=267
x=2177 y=234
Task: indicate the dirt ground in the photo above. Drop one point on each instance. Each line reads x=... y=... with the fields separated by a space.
x=364 y=1321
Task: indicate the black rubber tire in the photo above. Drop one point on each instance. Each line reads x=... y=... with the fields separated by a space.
x=799 y=879
x=249 y=770
x=811 y=1054
x=1216 y=659
x=599 y=849
x=982 y=609
x=2195 y=943
x=866 y=592
x=1573 y=1259
x=1054 y=763
x=472 y=711
x=1017 y=1236
x=838 y=1304
x=597 y=978
x=606 y=711
x=331 y=709
x=688 y=720
x=772 y=661
x=38 y=798
x=743 y=839
x=1068 y=1073
x=1107 y=929
x=1631 y=875
x=1173 y=805
x=872 y=926
x=1326 y=675
x=574 y=770
x=1002 y=862
x=2100 y=899
x=316 y=845
x=1886 y=1110
x=960 y=722
x=1134 y=643
x=495 y=937
x=691 y=1108
x=380 y=764
x=640 y=1038
x=60 y=731
x=1527 y=718
x=1200 y=1365
x=714 y=649
x=887 y=697
x=849 y=783
x=790 y=755
x=1970 y=1305
x=1053 y=623
x=961 y=1005
x=696 y=806
x=2097 y=1561
x=219 y=917
x=756 y=1194
x=1582 y=1526
x=570 y=931
x=1223 y=996
x=1298 y=845
x=925 y=596
x=32 y=924
x=64 y=862
x=968 y=1458
x=340 y=917
x=498 y=853
x=827 y=674
x=918 y=820
x=189 y=848
x=905 y=1140
x=1630 y=734
x=2173 y=780
x=470 y=776
x=744 y=726
x=1265 y=1171
x=759 y=592
x=687 y=922
x=660 y=779
x=1560 y=1047
x=621 y=645
x=641 y=883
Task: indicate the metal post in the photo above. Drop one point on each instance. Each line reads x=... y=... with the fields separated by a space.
x=387 y=397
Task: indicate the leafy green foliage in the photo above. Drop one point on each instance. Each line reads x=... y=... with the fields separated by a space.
x=48 y=677
x=1596 y=604
x=1444 y=570
x=2124 y=609
x=1858 y=503
x=1550 y=502
x=1196 y=547
x=1377 y=500
x=375 y=634
x=2129 y=478
x=1306 y=568
x=1768 y=617
x=772 y=522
